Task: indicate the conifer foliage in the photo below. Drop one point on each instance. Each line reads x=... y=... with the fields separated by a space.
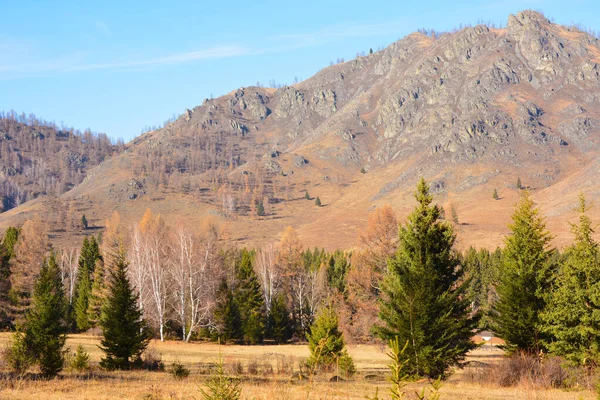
x=46 y=327
x=249 y=299
x=326 y=342
x=523 y=280
x=226 y=314
x=572 y=314
x=90 y=254
x=423 y=300
x=126 y=333
x=279 y=324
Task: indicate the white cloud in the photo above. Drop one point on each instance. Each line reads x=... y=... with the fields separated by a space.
x=179 y=58
x=80 y=62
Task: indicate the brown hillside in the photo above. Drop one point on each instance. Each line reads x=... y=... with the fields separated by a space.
x=470 y=111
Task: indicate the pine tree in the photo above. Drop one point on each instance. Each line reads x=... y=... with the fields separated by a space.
x=45 y=329
x=325 y=341
x=126 y=333
x=523 y=280
x=97 y=294
x=221 y=386
x=454 y=214
x=81 y=303
x=227 y=314
x=519 y=184
x=90 y=254
x=318 y=202
x=260 y=208
x=84 y=222
x=306 y=195
x=279 y=327
x=248 y=297
x=495 y=195
x=11 y=236
x=337 y=269
x=572 y=314
x=481 y=271
x=423 y=300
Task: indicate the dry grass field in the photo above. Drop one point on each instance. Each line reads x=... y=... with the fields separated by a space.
x=267 y=373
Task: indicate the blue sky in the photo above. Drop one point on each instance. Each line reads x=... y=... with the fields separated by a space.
x=117 y=66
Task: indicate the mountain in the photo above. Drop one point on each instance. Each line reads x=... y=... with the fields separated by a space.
x=471 y=111
x=38 y=158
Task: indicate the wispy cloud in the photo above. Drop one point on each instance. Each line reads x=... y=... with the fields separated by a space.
x=80 y=62
x=212 y=53
x=103 y=27
x=20 y=63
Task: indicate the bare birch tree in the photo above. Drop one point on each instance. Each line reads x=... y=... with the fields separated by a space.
x=69 y=266
x=155 y=254
x=137 y=266
x=269 y=274
x=194 y=270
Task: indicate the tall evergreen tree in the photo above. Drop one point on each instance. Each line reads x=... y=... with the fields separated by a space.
x=98 y=293
x=249 y=299
x=523 y=280
x=572 y=313
x=81 y=304
x=337 y=269
x=481 y=269
x=424 y=300
x=227 y=314
x=126 y=333
x=45 y=327
x=279 y=326
x=89 y=256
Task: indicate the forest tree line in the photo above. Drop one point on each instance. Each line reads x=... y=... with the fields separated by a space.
x=192 y=285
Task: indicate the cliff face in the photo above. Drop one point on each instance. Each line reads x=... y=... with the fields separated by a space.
x=529 y=90
x=469 y=110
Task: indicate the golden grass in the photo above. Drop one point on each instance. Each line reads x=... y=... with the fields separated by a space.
x=369 y=359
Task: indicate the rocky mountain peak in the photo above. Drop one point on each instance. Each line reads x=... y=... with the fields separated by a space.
x=527 y=19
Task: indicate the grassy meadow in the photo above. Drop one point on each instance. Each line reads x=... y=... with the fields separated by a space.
x=266 y=372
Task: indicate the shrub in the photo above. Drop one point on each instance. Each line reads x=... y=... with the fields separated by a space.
x=284 y=365
x=346 y=364
x=531 y=371
x=17 y=355
x=253 y=368
x=80 y=361
x=179 y=371
x=152 y=361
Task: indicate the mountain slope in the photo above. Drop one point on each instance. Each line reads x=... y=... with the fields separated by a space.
x=38 y=158
x=470 y=111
